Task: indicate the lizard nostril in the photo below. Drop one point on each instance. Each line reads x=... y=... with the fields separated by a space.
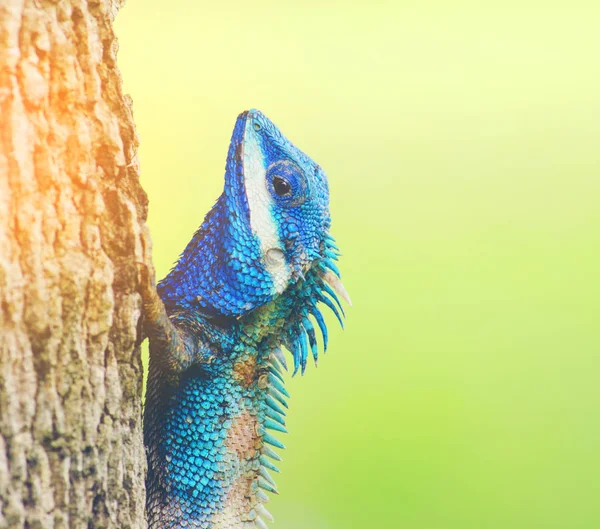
x=256 y=126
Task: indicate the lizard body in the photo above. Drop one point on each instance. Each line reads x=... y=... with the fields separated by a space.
x=247 y=284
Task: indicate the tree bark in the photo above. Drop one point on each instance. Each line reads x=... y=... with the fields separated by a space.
x=72 y=226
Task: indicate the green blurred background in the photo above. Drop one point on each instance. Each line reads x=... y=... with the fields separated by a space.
x=462 y=148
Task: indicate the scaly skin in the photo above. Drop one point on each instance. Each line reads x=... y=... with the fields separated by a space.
x=247 y=284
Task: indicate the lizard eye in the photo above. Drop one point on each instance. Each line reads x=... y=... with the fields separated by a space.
x=287 y=183
x=281 y=187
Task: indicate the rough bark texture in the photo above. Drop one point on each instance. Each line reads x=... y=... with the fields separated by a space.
x=71 y=223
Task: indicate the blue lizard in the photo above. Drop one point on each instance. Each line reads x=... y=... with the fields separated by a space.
x=247 y=284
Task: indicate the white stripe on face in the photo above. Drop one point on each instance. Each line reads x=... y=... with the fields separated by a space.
x=259 y=202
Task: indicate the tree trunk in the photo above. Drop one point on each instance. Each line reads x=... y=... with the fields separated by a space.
x=72 y=225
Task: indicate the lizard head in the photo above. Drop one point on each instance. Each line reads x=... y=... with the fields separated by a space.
x=267 y=231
